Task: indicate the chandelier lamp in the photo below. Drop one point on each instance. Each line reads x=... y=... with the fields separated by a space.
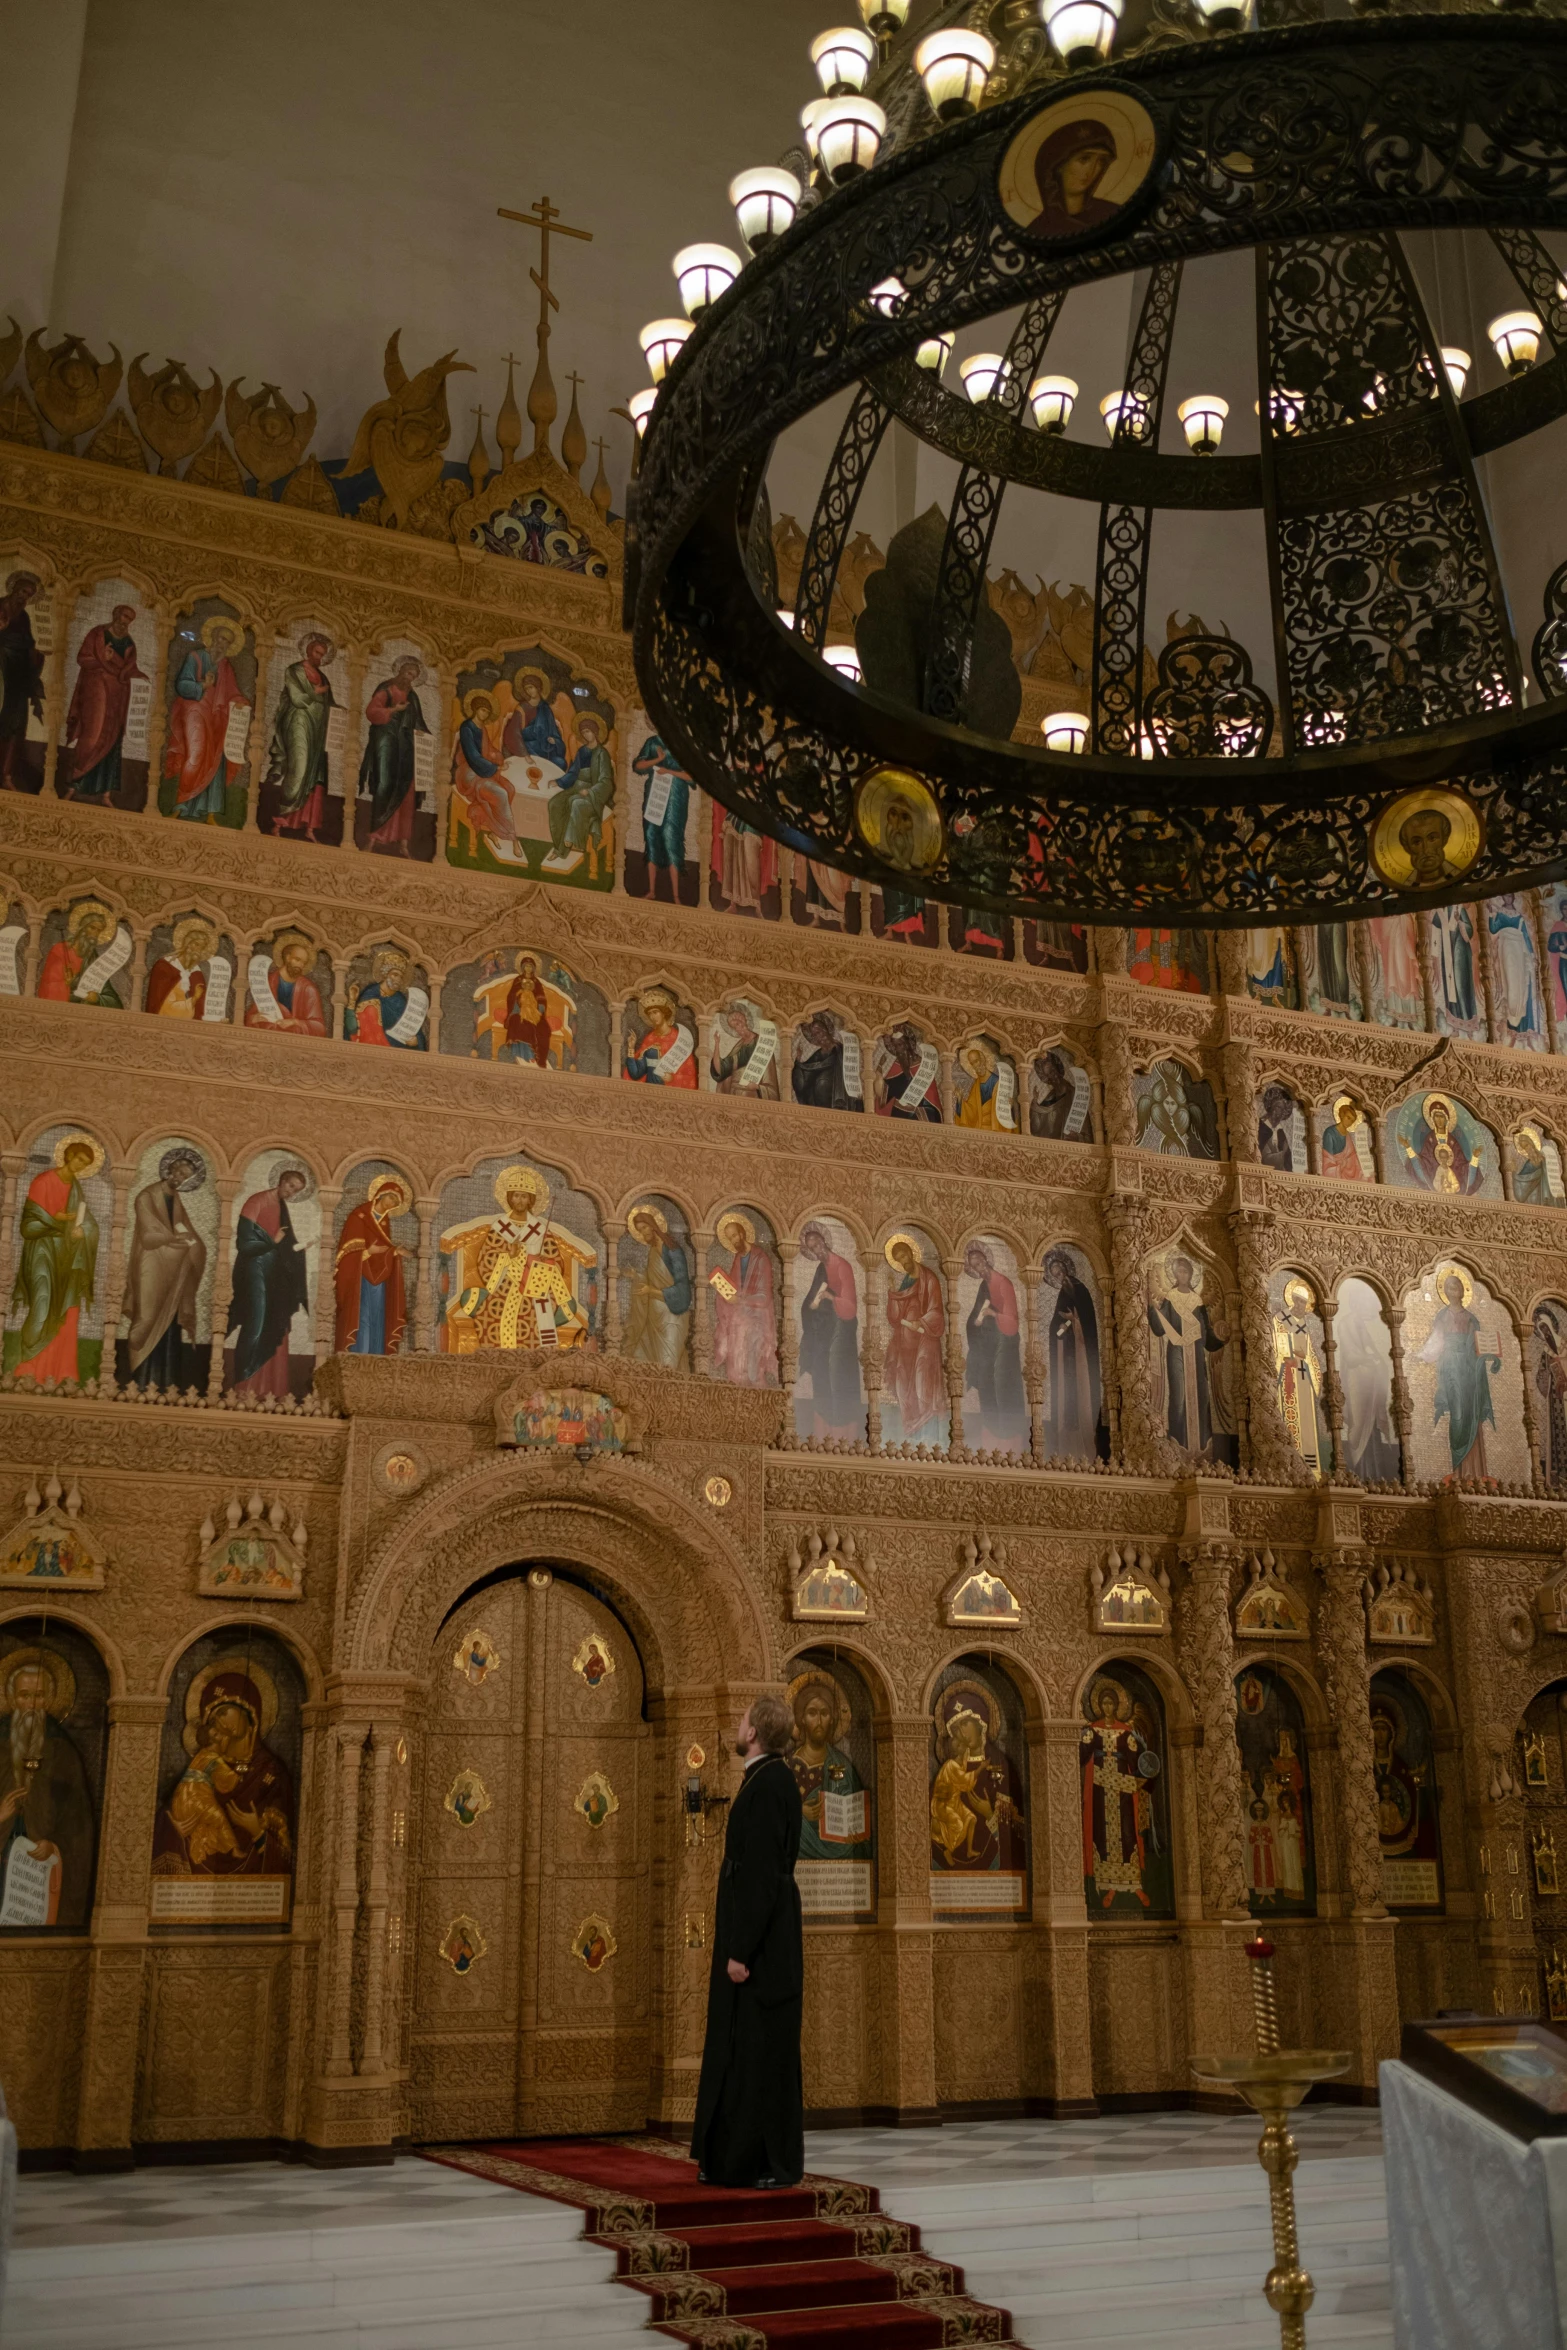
x=1391 y=731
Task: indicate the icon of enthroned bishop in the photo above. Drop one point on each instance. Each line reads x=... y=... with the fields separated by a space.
x=517 y=1275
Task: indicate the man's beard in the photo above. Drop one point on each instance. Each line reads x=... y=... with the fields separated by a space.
x=27 y=1742
x=743 y=1751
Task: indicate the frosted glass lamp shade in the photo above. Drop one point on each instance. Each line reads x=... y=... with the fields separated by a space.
x=982 y=374
x=1125 y=414
x=849 y=133
x=1515 y=338
x=765 y=201
x=810 y=116
x=1202 y=420
x=954 y=66
x=661 y=340
x=845 y=660
x=703 y=272
x=1065 y=730
x=1081 y=31
x=843 y=59
x=640 y=407
x=934 y=353
x=1457 y=364
x=1051 y=397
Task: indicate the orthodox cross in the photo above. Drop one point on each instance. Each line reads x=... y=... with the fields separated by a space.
x=543 y=407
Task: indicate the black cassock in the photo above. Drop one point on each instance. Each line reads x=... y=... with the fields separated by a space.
x=750 y=2101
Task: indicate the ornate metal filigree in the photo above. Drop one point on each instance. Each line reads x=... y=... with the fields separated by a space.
x=1125 y=530
x=971 y=527
x=852 y=460
x=1206 y=704
x=1394 y=656
x=1548 y=654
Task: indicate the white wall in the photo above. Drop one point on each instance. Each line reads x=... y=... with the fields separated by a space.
x=270 y=190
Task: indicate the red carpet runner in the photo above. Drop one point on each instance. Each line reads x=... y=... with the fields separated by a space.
x=732 y=2269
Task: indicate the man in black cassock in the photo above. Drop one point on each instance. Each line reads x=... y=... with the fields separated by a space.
x=749 y=2129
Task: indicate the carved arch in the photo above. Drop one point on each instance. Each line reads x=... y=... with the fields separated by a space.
x=679 y=1579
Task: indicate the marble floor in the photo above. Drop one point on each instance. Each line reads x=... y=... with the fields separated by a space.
x=1122 y=2144
x=1085 y=2230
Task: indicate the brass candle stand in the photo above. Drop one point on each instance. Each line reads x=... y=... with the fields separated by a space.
x=1273 y=2082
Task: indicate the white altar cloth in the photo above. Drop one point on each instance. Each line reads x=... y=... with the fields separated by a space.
x=1476 y=2224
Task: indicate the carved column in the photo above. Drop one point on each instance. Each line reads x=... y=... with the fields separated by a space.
x=1427 y=969
x=325 y=1316
x=35 y=942
x=114 y=1277
x=949 y=1106
x=1509 y=1158
x=1238 y=1066
x=702 y=1316
x=1403 y=1407
x=441 y=759
x=425 y=1302
x=788 y=1333
x=905 y=1959
x=956 y=1366
x=433 y=986
x=157 y=707
x=1487 y=948
x=371 y=2057
x=1360 y=963
x=1531 y=1412
x=1272 y=1454
x=1217 y=1920
x=1346 y=1681
x=13 y=1165
x=222 y=1280
x=1061 y=2061
x=1363 y=2014
x=112 y=2011
x=345 y=1903
x=344 y=760
x=1143 y=1444
x=1332 y=1388
x=1034 y=1363
x=1207 y=1651
x=1232 y=961
x=1545 y=970
x=1115 y=1074
x=397 y=1904
x=1109 y=949
x=138 y=969
x=270 y=660
x=706 y=1029
x=614 y=1233
x=337 y=1015
x=51 y=625
x=871 y=1350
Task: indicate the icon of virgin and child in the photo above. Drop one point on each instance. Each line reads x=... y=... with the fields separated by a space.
x=231 y=1811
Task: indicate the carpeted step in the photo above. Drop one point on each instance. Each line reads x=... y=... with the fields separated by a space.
x=728 y=2268
x=781 y=2243
x=909 y=2325
x=818 y=2284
